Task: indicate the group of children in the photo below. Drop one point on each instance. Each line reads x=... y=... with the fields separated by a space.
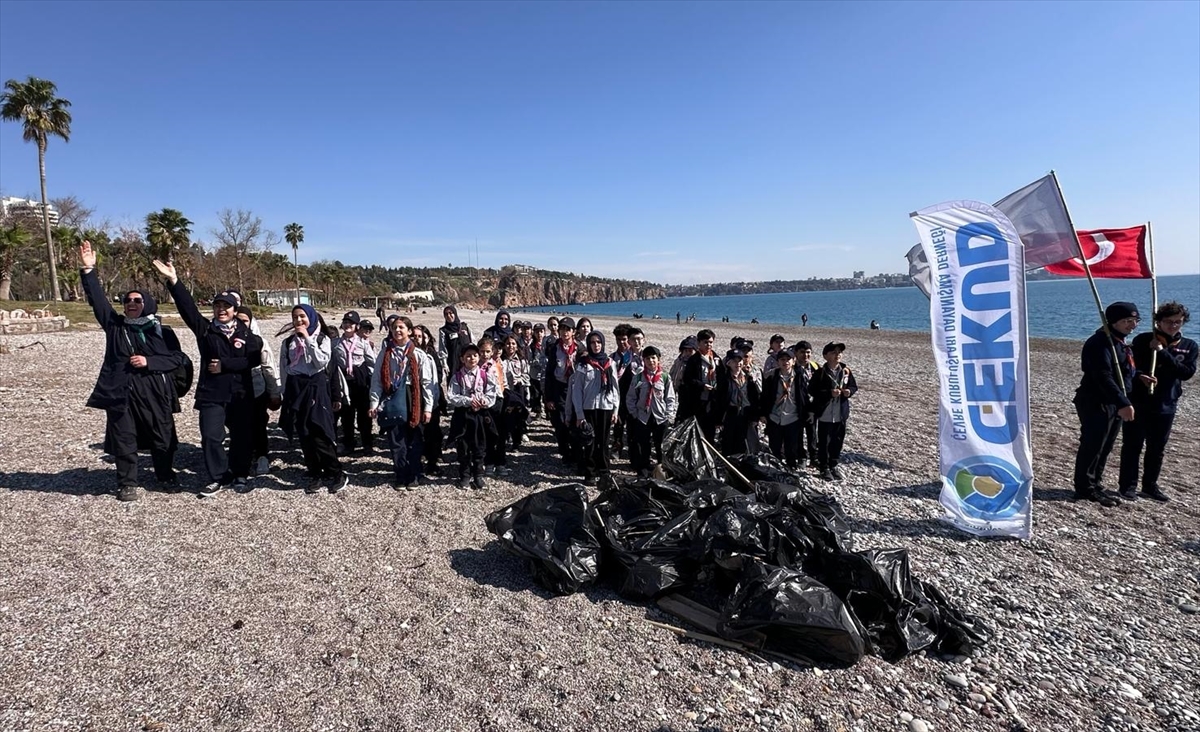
x=601 y=405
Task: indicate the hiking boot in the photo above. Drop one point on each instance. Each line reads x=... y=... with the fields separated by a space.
x=338 y=483
x=826 y=475
x=210 y=490
x=1156 y=494
x=262 y=466
x=241 y=485
x=461 y=482
x=127 y=493
x=1103 y=498
x=837 y=474
x=312 y=485
x=478 y=483
x=1128 y=494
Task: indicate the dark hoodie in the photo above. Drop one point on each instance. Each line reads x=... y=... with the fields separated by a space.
x=123 y=339
x=1176 y=364
x=451 y=339
x=499 y=333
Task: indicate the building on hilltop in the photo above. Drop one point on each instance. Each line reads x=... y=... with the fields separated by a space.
x=23 y=208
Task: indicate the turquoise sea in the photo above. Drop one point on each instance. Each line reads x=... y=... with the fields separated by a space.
x=1057 y=308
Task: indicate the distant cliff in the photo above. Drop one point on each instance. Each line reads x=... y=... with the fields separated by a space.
x=523 y=287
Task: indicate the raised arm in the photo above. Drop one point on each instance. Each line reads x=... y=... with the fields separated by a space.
x=101 y=308
x=183 y=299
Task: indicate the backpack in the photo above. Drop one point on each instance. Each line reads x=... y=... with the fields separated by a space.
x=184 y=374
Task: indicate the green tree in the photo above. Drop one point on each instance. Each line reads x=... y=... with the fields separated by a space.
x=167 y=232
x=294 y=233
x=34 y=104
x=12 y=239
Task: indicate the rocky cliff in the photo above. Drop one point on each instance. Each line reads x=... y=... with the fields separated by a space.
x=518 y=289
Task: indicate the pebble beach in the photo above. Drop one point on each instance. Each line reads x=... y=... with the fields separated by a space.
x=377 y=610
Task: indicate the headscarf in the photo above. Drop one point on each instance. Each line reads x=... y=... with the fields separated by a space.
x=146 y=322
x=598 y=361
x=501 y=332
x=314 y=321
x=453 y=326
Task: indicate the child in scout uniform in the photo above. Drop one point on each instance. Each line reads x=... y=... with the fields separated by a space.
x=783 y=408
x=831 y=387
x=473 y=390
x=651 y=405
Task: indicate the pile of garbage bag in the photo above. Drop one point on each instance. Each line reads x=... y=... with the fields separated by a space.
x=773 y=560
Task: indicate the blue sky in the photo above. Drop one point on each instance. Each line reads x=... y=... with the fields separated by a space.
x=674 y=142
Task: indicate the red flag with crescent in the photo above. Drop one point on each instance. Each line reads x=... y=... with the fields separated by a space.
x=1111 y=253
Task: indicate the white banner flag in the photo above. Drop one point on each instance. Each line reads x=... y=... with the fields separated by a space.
x=980 y=341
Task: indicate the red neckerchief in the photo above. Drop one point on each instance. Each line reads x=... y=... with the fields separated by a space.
x=653 y=379
x=787 y=387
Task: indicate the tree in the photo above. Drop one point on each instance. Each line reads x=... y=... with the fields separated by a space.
x=12 y=238
x=34 y=104
x=240 y=233
x=294 y=233
x=167 y=231
x=72 y=213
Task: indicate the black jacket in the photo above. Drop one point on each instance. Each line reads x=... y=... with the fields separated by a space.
x=692 y=385
x=800 y=396
x=238 y=355
x=116 y=374
x=1176 y=364
x=1099 y=385
x=720 y=396
x=820 y=388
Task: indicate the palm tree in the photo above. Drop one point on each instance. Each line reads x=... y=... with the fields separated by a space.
x=167 y=232
x=294 y=233
x=34 y=104
x=12 y=238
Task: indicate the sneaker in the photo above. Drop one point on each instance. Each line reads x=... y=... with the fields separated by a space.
x=1156 y=494
x=1128 y=494
x=461 y=482
x=478 y=483
x=312 y=485
x=210 y=490
x=503 y=470
x=826 y=475
x=338 y=483
x=1104 y=499
x=813 y=464
x=837 y=474
x=127 y=493
x=241 y=485
x=262 y=466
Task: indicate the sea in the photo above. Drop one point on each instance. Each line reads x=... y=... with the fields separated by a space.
x=1057 y=308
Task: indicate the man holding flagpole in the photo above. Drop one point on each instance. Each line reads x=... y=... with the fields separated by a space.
x=1102 y=400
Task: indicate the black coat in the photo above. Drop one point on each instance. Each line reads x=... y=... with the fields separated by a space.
x=117 y=376
x=1176 y=364
x=820 y=388
x=1099 y=385
x=238 y=355
x=691 y=386
x=800 y=396
x=720 y=396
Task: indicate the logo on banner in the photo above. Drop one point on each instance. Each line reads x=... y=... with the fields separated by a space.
x=988 y=485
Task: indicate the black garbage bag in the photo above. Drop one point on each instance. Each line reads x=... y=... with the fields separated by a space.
x=879 y=588
x=799 y=616
x=705 y=496
x=765 y=466
x=958 y=633
x=647 y=532
x=736 y=529
x=819 y=519
x=555 y=532
x=686 y=456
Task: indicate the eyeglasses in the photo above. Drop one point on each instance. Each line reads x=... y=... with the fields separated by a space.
x=1173 y=321
x=131 y=300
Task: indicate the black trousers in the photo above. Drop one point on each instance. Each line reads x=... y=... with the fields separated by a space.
x=435 y=441
x=320 y=456
x=784 y=441
x=735 y=428
x=1098 y=427
x=807 y=437
x=496 y=452
x=357 y=413
x=707 y=421
x=535 y=397
x=1153 y=431
x=643 y=439
x=262 y=419
x=238 y=417
x=562 y=430
x=122 y=422
x=407 y=444
x=595 y=458
x=830 y=437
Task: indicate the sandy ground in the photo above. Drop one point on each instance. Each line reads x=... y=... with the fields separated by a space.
x=379 y=610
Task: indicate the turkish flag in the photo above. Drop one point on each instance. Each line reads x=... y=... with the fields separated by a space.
x=1111 y=253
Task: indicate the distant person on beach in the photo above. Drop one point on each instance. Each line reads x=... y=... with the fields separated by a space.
x=698 y=383
x=134 y=387
x=874 y=324
x=225 y=391
x=804 y=320
x=1102 y=400
x=831 y=388
x=677 y=317
x=1154 y=413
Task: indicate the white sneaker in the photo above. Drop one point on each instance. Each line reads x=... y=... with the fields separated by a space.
x=210 y=490
x=262 y=466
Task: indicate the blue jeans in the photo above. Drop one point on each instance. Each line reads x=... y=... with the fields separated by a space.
x=407 y=445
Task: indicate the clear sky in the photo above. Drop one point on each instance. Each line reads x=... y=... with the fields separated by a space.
x=674 y=142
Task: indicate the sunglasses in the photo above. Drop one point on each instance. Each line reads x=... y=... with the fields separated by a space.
x=130 y=300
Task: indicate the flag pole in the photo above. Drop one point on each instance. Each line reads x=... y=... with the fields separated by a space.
x=1153 y=299
x=1091 y=281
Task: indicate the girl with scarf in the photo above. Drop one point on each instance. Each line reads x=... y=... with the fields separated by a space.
x=452 y=337
x=594 y=396
x=735 y=404
x=225 y=392
x=560 y=363
x=304 y=362
x=472 y=392
x=495 y=457
x=267 y=394
x=402 y=400
x=135 y=387
x=434 y=440
x=537 y=369
x=651 y=405
x=516 y=392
